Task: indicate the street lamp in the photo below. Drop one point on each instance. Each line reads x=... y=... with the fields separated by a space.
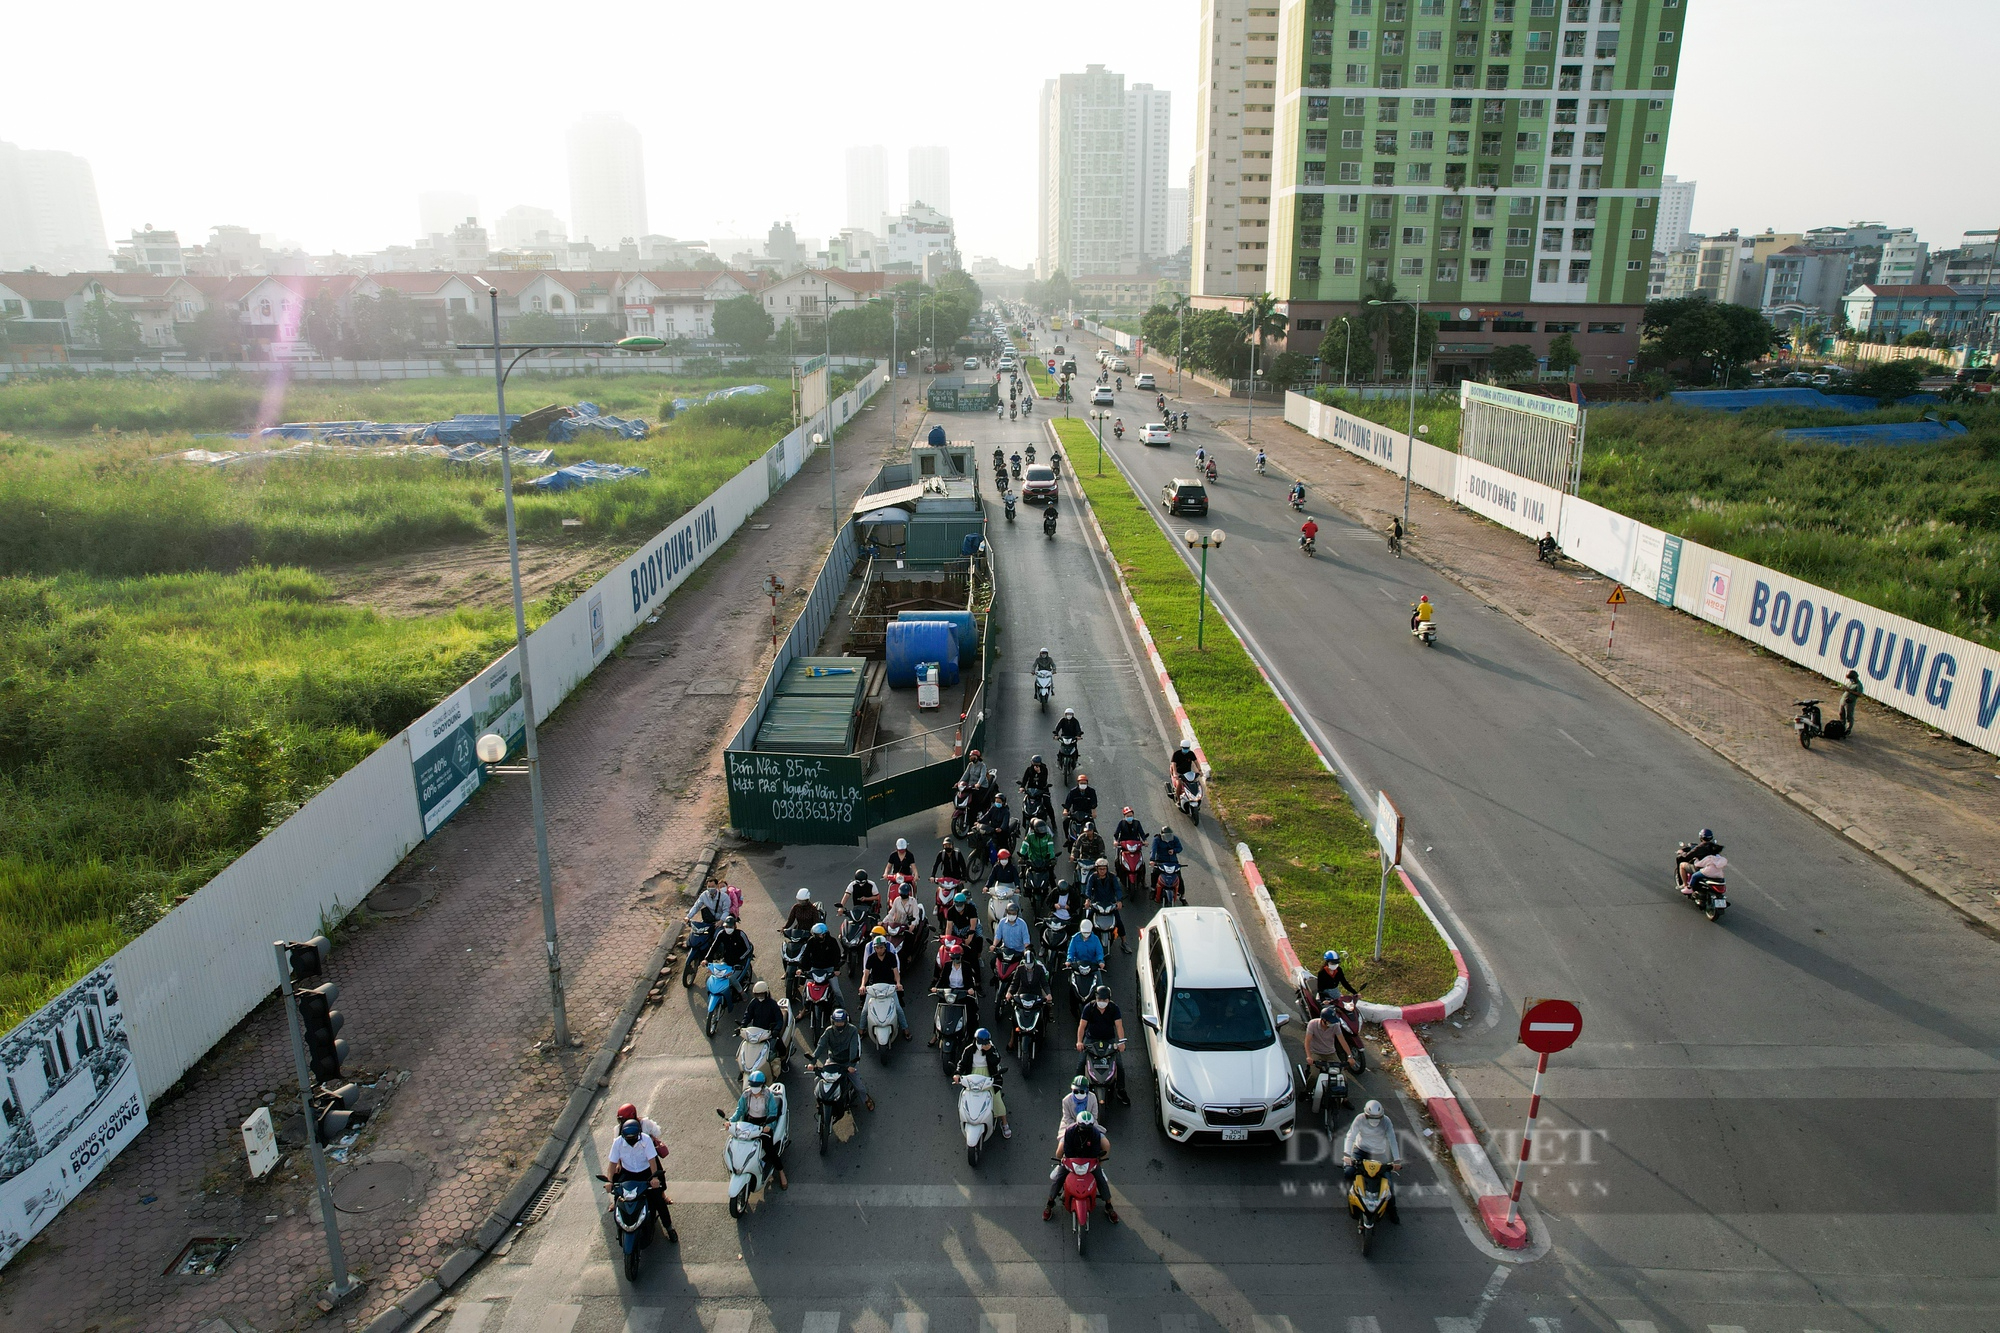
x=1193 y=539
x=1410 y=436
x=1098 y=415
x=1346 y=349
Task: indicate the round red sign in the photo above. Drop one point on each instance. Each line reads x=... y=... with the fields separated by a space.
x=1550 y=1026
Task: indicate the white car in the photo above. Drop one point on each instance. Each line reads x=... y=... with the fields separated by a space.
x=1006 y=364
x=1156 y=432
x=1211 y=1033
x=1145 y=381
x=972 y=363
x=1101 y=397
x=1118 y=364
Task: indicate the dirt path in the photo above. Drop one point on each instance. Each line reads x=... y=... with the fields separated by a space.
x=446 y=996
x=431 y=582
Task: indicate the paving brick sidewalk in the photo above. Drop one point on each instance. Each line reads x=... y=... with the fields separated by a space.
x=454 y=994
x=1926 y=804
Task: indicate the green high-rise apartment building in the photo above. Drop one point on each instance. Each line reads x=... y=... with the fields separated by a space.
x=1498 y=159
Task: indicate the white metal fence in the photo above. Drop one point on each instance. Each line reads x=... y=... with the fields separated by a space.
x=1942 y=680
x=420 y=368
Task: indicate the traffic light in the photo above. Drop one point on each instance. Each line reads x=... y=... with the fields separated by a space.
x=325 y=1051
x=308 y=958
x=334 y=1113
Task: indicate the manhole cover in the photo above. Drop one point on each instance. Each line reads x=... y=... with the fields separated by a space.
x=713 y=685
x=395 y=899
x=374 y=1186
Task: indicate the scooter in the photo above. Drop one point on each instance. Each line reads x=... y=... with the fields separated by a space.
x=833 y=1097
x=1045 y=687
x=1810 y=726
x=1130 y=865
x=998 y=898
x=879 y=1016
x=1035 y=804
x=816 y=998
x=1185 y=788
x=790 y=951
x=1049 y=522
x=856 y=925
x=1370 y=1198
x=700 y=935
x=1308 y=543
x=975 y=1114
x=722 y=993
x=1079 y=1195
x=1014 y=467
x=1029 y=452
x=1208 y=468
x=743 y=1153
x=1260 y=462
x=1009 y=499
x=1005 y=963
x=757 y=1048
x=1029 y=1011
x=1118 y=431
x=632 y=1211
x=1083 y=982
x=1327 y=1085
x=1297 y=502
x=951 y=1016
x=1708 y=892
x=1169 y=890
x=1100 y=1066
x=1424 y=631
x=1066 y=758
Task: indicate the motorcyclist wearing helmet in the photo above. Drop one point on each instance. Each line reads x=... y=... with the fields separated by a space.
x=1128 y=829
x=977 y=783
x=1102 y=890
x=956 y=972
x=1424 y=612
x=730 y=944
x=862 y=893
x=635 y=1155
x=1166 y=847
x=1011 y=930
x=979 y=1057
x=1038 y=848
x=1044 y=662
x=949 y=862
x=1088 y=849
x=1690 y=863
x=1298 y=492
x=1085 y=948
x=905 y=912
x=805 y=913
x=823 y=953
x=1031 y=978
x=840 y=1045
x=1371 y=1135
x=902 y=861
x=880 y=966
x=1079 y=804
x=1068 y=728
x=997 y=820
x=1331 y=978
x=1085 y=1138
x=1326 y=1039
x=760 y=1105
x=1076 y=1102
x=1309 y=530
x=1182 y=762
x=1005 y=871
x=1102 y=1022
x=1035 y=777
x=766 y=1013
x=961 y=918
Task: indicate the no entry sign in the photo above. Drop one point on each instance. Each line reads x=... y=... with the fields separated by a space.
x=1549 y=1026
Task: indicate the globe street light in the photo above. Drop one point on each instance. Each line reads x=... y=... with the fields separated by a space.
x=1193 y=539
x=1410 y=436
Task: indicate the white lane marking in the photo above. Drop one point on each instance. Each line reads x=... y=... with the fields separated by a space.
x=1089 y=1323
x=1363 y=1323
x=1574 y=741
x=823 y=1321
x=1726 y=1328
x=469 y=1318
x=562 y=1318
x=996 y=1323
x=1276 y=1323
x=1544 y=1324
x=908 y=1321
x=732 y=1321
x=1636 y=1326
x=645 y=1319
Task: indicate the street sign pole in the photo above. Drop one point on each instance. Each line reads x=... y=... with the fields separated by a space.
x=1388 y=837
x=1614 y=601
x=1547 y=1026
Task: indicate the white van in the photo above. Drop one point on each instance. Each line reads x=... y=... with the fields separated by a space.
x=1212 y=1033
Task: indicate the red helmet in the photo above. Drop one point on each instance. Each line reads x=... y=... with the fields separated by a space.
x=1004 y=853
x=627 y=1112
x=1127 y=810
x=953 y=948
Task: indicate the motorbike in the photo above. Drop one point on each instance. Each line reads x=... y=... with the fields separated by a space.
x=1347 y=1008
x=743 y=1153
x=1208 y=468
x=1100 y=1066
x=1370 y=1198
x=908 y=943
x=723 y=983
x=878 y=1015
x=1424 y=631
x=757 y=1048
x=975 y=1114
x=816 y=1003
x=1049 y=522
x=1036 y=804
x=1008 y=498
x=1013 y=412
x=998 y=896
x=941 y=900
x=1130 y=865
x=1029 y=453
x=1118 y=431
x=1066 y=758
x=1810 y=726
x=1083 y=979
x=1055 y=936
x=1298 y=503
x=1079 y=1194
x=1169 y=890
x=856 y=924
x=1708 y=892
x=1260 y=465
x=1000 y=465
x=1185 y=788
x=1549 y=552
x=1005 y=963
x=701 y=934
x=1045 y=687
x=952 y=1017
x=632 y=1211
x=833 y=1097
x=1015 y=467
x=1029 y=1012
x=790 y=951
x=1308 y=543
x=1104 y=922
x=962 y=817
x=1326 y=1085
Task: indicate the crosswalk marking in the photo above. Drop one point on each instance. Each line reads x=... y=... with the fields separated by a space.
x=732 y=1321
x=822 y=1321
x=644 y=1319
x=469 y=1318
x=1451 y=1325
x=996 y=1323
x=1546 y=1325
x=1636 y=1326
x=1089 y=1323
x=561 y=1319
x=1363 y=1323
x=910 y=1321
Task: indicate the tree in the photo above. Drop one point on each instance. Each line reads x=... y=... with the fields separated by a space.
x=1562 y=354
x=383 y=327
x=1337 y=349
x=742 y=322
x=1702 y=333
x=864 y=330
x=537 y=326
x=1055 y=293
x=1215 y=343
x=111 y=329
x=1287 y=368
x=1512 y=361
x=1387 y=330
x=1917 y=338
x=1260 y=319
x=467 y=327
x=1889 y=380
x=214 y=332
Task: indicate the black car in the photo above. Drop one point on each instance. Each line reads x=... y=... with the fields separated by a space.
x=1181 y=496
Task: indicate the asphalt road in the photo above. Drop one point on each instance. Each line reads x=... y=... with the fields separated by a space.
x=1784 y=1120
x=892 y=1230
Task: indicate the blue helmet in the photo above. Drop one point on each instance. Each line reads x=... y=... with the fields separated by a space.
x=630 y=1131
x=819 y=927
x=982 y=1035
x=757 y=1078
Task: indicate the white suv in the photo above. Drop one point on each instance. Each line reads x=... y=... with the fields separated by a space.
x=1211 y=1033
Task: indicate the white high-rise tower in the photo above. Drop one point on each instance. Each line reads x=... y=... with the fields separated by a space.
x=930 y=178
x=49 y=218
x=867 y=187
x=607 y=182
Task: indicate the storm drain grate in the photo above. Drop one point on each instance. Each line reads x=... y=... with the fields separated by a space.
x=545 y=1199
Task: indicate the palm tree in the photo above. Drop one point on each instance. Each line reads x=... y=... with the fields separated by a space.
x=1259 y=320
x=1178 y=308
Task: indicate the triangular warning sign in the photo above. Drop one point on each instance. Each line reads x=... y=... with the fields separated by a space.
x=1617 y=597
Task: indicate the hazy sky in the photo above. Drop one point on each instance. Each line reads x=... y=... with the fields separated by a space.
x=322 y=126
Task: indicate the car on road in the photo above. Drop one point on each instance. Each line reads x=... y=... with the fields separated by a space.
x=972 y=363
x=1822 y=381
x=1184 y=496
x=1006 y=363
x=1155 y=432
x=1038 y=484
x=1118 y=364
x=1145 y=381
x=1069 y=365
x=1211 y=1032
x=1101 y=396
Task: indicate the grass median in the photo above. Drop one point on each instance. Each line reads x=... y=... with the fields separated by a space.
x=1316 y=853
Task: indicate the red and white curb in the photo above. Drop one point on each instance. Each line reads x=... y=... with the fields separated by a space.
x=1468 y=1155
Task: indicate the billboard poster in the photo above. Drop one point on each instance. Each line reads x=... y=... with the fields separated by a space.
x=69 y=1103
x=442 y=761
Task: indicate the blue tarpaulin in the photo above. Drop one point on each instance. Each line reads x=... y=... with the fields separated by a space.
x=585 y=474
x=1894 y=432
x=683 y=404
x=590 y=419
x=1738 y=400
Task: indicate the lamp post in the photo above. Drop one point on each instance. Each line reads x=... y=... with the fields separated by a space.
x=1346 y=350
x=1250 y=407
x=1410 y=436
x=1193 y=539
x=1098 y=415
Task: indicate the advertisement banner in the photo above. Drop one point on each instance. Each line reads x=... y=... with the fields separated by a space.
x=442 y=761
x=72 y=1102
x=1528 y=507
x=796 y=798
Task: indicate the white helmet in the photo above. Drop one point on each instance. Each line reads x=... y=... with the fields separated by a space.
x=1069 y=712
x=804 y=895
x=1084 y=927
x=902 y=844
x=1373 y=1110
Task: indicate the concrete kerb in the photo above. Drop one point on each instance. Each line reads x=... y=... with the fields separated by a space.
x=1468 y=1155
x=405 y=1312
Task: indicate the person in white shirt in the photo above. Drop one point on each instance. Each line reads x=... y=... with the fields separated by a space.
x=633 y=1155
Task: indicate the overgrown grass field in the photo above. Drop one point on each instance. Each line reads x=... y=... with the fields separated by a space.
x=1912 y=529
x=1317 y=855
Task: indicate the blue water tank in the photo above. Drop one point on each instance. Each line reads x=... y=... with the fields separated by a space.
x=914 y=641
x=963 y=627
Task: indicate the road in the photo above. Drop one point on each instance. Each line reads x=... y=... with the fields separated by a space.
x=1784 y=1120
x=892 y=1230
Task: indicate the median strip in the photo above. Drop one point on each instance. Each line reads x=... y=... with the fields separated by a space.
x=1317 y=855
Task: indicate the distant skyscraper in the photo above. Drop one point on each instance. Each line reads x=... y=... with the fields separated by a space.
x=930 y=178
x=867 y=186
x=1676 y=214
x=1102 y=187
x=607 y=182
x=520 y=226
x=49 y=218
x=1177 y=220
x=1148 y=127
x=1231 y=182
x=440 y=211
